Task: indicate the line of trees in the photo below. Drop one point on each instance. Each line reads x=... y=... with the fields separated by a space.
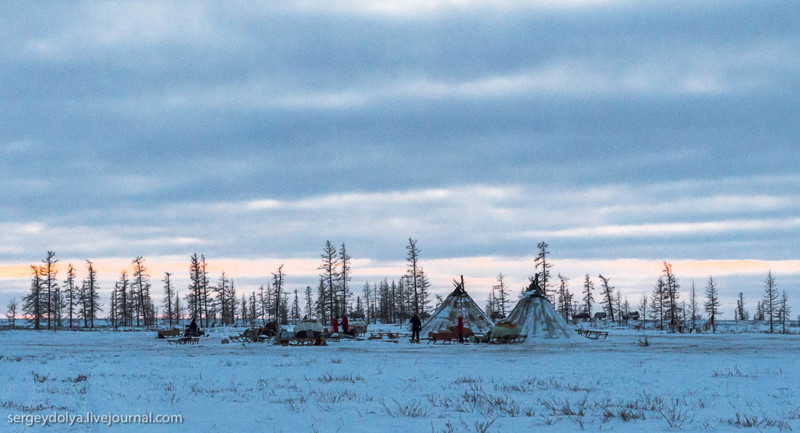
x=664 y=308
x=497 y=306
x=131 y=303
x=269 y=302
x=52 y=303
x=48 y=306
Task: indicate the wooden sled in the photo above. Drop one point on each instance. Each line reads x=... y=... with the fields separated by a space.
x=164 y=333
x=508 y=339
x=247 y=338
x=380 y=335
x=592 y=335
x=185 y=340
x=304 y=341
x=451 y=334
x=253 y=335
x=444 y=337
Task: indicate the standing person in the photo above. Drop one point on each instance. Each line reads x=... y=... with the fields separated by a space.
x=345 y=323
x=416 y=326
x=335 y=325
x=460 y=329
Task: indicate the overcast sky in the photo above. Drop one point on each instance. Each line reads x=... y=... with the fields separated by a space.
x=622 y=133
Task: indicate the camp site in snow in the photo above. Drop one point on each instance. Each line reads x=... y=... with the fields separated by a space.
x=411 y=216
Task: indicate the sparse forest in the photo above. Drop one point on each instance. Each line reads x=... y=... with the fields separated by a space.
x=70 y=303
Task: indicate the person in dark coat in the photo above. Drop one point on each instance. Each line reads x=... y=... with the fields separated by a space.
x=192 y=329
x=460 y=329
x=416 y=326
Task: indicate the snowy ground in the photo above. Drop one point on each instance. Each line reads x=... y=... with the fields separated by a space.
x=678 y=382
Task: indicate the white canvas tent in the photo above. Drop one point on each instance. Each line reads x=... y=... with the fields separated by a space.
x=537 y=319
x=458 y=304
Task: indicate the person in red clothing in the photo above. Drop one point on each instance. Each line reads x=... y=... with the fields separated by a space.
x=335 y=325
x=345 y=324
x=460 y=329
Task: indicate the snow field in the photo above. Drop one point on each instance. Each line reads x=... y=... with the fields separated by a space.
x=677 y=383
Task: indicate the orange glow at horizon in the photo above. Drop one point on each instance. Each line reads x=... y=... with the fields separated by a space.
x=363 y=267
x=480 y=272
x=15 y=271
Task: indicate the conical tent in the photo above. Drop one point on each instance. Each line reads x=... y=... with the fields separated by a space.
x=537 y=319
x=458 y=304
